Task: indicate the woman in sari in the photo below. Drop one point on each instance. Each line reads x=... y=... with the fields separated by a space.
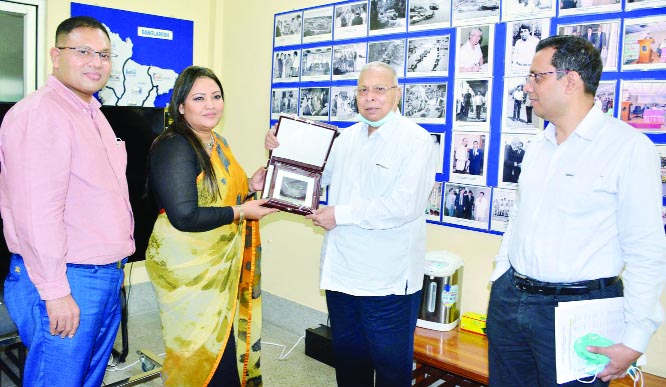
x=203 y=254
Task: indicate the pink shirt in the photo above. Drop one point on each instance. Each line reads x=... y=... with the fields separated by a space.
x=63 y=191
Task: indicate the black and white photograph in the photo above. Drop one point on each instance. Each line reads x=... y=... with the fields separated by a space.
x=604 y=35
x=644 y=43
x=438 y=143
x=434 y=209
x=284 y=101
x=428 y=56
x=316 y=64
x=348 y=60
x=314 y=103
x=663 y=216
x=351 y=20
x=579 y=7
x=661 y=148
x=467 y=12
x=286 y=66
x=466 y=205
x=288 y=28
x=474 y=55
x=518 y=115
x=293 y=188
x=521 y=40
x=469 y=157
x=512 y=152
x=528 y=9
x=605 y=97
x=343 y=103
x=391 y=52
x=472 y=100
x=425 y=102
x=318 y=24
x=388 y=17
x=429 y=15
x=644 y=104
x=638 y=4
x=503 y=199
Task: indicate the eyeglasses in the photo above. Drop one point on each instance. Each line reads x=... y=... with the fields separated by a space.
x=377 y=90
x=536 y=77
x=88 y=53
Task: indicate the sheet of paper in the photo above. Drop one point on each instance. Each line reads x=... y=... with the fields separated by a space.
x=575 y=319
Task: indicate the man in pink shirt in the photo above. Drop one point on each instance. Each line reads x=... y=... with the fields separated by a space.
x=66 y=214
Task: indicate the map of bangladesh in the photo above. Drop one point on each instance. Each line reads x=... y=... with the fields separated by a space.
x=132 y=83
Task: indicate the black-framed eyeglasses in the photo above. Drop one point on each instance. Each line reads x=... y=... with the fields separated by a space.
x=377 y=90
x=536 y=77
x=88 y=53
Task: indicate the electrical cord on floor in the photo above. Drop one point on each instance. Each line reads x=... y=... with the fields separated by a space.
x=284 y=347
x=114 y=367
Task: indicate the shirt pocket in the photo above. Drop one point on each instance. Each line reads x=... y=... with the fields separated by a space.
x=381 y=175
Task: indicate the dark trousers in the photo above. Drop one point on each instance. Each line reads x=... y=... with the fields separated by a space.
x=521 y=334
x=226 y=374
x=373 y=336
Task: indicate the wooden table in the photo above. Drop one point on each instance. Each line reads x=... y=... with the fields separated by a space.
x=462 y=357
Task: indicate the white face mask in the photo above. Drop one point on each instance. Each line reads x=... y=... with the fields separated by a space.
x=376 y=124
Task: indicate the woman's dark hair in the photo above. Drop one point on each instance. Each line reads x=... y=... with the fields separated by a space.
x=574 y=53
x=181 y=127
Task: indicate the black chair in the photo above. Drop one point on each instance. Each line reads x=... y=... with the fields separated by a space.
x=12 y=350
x=637 y=113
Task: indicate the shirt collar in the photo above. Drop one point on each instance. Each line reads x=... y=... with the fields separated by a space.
x=70 y=96
x=385 y=132
x=587 y=129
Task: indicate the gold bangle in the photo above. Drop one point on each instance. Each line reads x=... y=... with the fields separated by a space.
x=241 y=213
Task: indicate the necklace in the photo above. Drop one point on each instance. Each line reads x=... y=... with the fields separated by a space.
x=210 y=144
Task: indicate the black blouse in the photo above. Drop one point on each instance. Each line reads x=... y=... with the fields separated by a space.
x=172 y=176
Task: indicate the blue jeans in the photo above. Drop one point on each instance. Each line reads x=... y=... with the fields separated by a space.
x=521 y=334
x=373 y=335
x=63 y=362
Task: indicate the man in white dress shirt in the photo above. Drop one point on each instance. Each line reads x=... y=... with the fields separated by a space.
x=588 y=206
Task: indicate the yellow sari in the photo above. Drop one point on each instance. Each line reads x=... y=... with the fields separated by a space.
x=202 y=279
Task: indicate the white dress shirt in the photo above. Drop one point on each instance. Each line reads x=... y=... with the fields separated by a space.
x=379 y=185
x=588 y=209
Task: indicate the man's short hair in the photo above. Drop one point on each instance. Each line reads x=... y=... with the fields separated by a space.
x=574 y=53
x=382 y=65
x=69 y=25
x=525 y=27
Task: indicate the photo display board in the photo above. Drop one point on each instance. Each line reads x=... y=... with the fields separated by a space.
x=461 y=65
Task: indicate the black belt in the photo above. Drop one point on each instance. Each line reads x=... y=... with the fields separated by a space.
x=532 y=286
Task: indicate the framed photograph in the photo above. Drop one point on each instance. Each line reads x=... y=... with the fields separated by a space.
x=438 y=143
x=286 y=66
x=474 y=55
x=663 y=216
x=512 y=152
x=284 y=101
x=467 y=205
x=429 y=15
x=644 y=43
x=469 y=158
x=579 y=7
x=605 y=97
x=348 y=60
x=391 y=52
x=521 y=40
x=472 y=104
x=343 y=103
x=643 y=104
x=604 y=35
x=288 y=29
x=503 y=199
x=351 y=20
x=434 y=209
x=528 y=9
x=293 y=187
x=314 y=103
x=467 y=12
x=637 y=4
x=318 y=25
x=387 y=17
x=518 y=115
x=425 y=102
x=428 y=56
x=316 y=64
x=661 y=148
